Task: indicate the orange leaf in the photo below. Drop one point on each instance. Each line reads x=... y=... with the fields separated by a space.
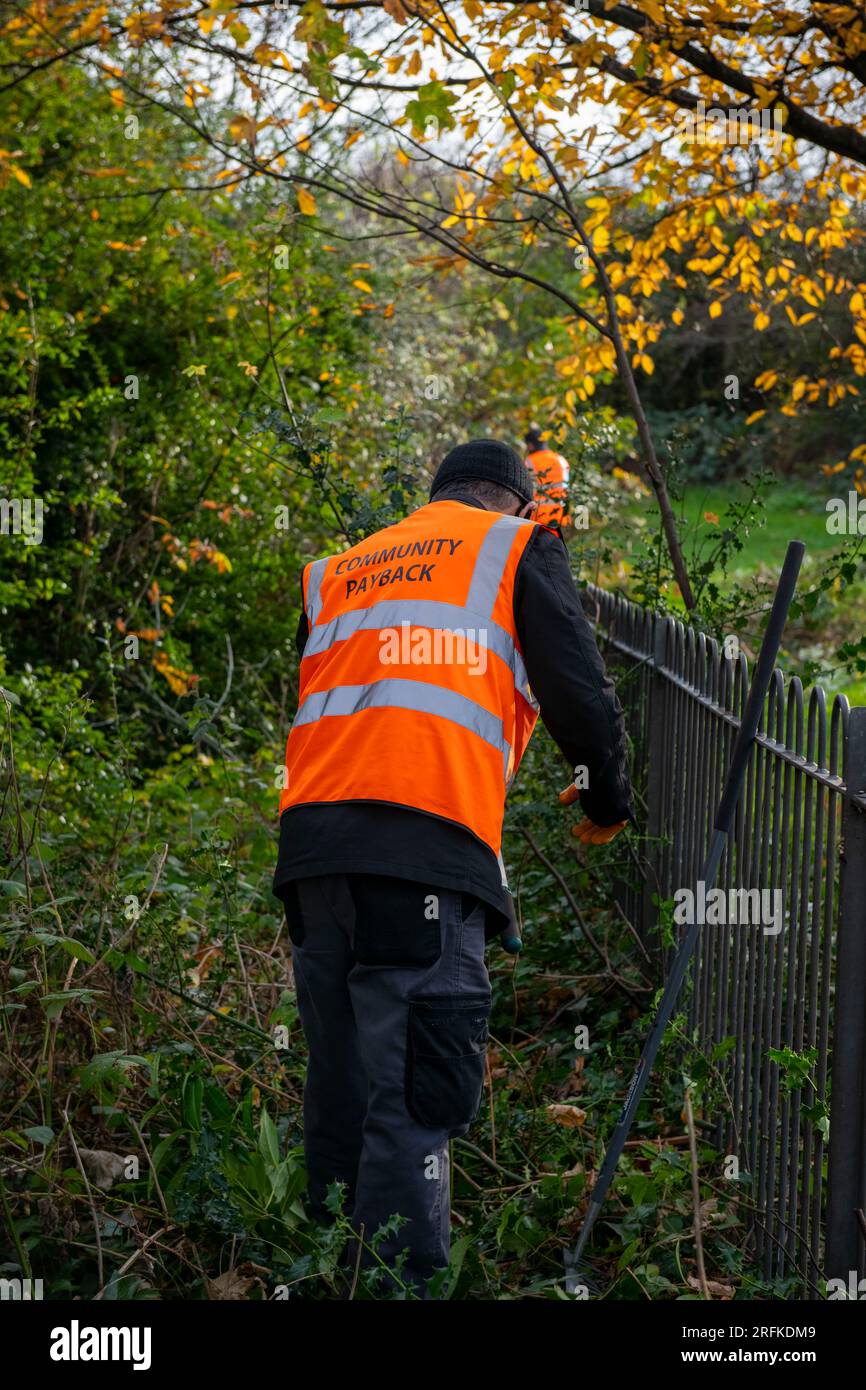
x=180 y=682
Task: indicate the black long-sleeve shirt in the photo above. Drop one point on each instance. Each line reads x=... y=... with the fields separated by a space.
x=578 y=706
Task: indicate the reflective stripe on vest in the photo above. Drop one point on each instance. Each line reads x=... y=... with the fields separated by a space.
x=447 y=617
x=490 y=565
x=413 y=695
x=315 y=573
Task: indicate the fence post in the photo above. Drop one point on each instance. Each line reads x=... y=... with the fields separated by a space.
x=659 y=754
x=846 y=1174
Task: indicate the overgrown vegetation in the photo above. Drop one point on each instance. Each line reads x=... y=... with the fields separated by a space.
x=205 y=392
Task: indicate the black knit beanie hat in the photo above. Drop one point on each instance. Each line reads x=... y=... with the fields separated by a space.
x=488 y=459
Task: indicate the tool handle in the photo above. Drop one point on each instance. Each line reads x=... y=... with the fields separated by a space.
x=760 y=684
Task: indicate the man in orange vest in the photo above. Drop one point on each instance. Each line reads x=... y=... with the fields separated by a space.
x=551 y=481
x=427 y=651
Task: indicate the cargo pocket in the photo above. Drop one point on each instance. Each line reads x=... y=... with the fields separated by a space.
x=445 y=1059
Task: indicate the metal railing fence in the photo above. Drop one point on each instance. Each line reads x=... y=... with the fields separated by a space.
x=778 y=1006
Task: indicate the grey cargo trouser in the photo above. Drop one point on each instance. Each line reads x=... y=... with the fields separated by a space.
x=394 y=999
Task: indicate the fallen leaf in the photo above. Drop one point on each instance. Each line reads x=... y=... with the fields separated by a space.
x=569 y=1115
x=230 y=1285
x=713 y=1286
x=102 y=1167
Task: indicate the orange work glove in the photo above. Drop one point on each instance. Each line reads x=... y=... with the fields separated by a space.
x=586 y=830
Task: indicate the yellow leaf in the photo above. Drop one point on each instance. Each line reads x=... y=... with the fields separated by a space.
x=766 y=380
x=306 y=202
x=21 y=176
x=363 y=286
x=243 y=128
x=220 y=561
x=755 y=415
x=715 y=310
x=762 y=321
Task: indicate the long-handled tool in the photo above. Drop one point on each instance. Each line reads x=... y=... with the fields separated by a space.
x=510 y=939
x=724 y=819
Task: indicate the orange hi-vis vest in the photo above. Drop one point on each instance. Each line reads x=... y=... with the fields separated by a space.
x=413 y=689
x=551 y=479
